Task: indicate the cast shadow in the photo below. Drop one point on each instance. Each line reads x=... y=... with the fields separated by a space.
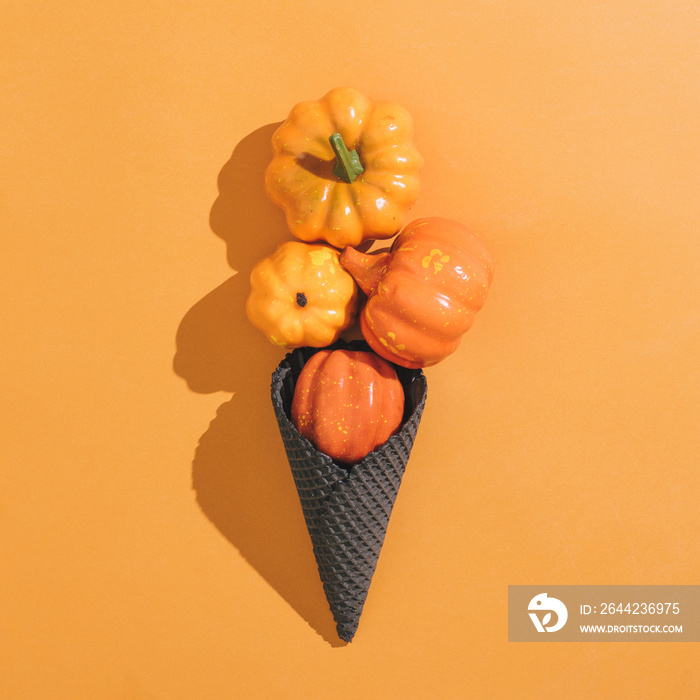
x=242 y=215
x=240 y=472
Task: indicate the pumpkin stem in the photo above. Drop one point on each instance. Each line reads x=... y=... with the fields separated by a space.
x=347 y=163
x=367 y=270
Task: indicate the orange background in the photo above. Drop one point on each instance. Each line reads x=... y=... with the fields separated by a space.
x=153 y=543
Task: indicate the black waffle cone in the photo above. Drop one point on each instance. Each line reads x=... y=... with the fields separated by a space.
x=347 y=510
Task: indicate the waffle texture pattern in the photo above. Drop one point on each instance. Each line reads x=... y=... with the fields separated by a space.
x=347 y=511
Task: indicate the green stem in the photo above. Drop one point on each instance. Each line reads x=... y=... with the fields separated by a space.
x=347 y=163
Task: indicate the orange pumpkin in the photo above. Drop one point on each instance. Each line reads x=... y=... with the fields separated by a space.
x=300 y=295
x=347 y=403
x=423 y=293
x=344 y=168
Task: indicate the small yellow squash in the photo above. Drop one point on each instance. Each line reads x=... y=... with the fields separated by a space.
x=302 y=296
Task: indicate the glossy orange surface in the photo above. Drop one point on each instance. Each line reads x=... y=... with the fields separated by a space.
x=347 y=403
x=424 y=293
x=319 y=205
x=301 y=295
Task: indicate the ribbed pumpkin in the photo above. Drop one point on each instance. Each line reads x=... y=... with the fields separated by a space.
x=347 y=403
x=423 y=294
x=344 y=168
x=301 y=296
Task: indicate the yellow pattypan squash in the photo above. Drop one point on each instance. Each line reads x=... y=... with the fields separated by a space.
x=302 y=296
